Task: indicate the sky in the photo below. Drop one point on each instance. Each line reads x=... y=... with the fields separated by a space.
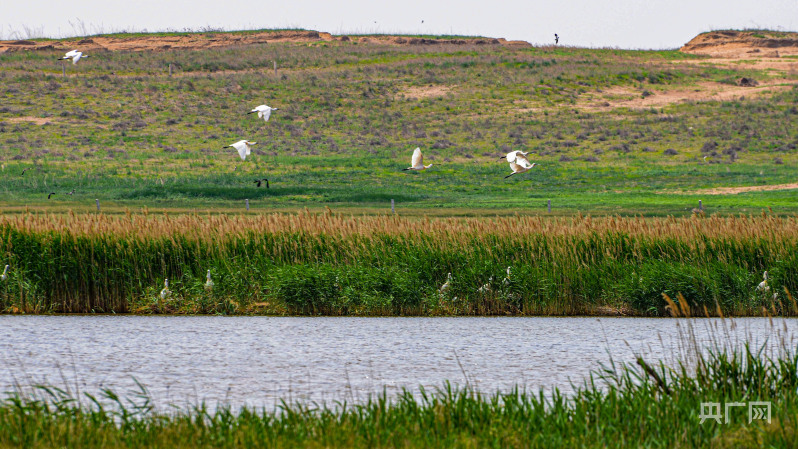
x=631 y=24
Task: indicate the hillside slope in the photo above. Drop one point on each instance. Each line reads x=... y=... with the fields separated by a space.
x=743 y=44
x=199 y=41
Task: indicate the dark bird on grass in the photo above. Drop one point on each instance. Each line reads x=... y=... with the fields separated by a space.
x=51 y=194
x=261 y=181
x=24 y=170
x=72 y=192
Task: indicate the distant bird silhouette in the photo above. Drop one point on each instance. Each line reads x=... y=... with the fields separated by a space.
x=556 y=39
x=72 y=192
x=260 y=181
x=24 y=170
x=51 y=194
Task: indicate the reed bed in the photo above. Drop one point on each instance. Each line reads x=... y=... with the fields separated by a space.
x=642 y=405
x=325 y=263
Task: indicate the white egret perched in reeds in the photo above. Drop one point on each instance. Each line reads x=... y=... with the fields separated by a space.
x=165 y=293
x=208 y=281
x=263 y=111
x=244 y=147
x=447 y=285
x=487 y=288
x=506 y=280
x=518 y=162
x=763 y=286
x=4 y=276
x=417 y=161
x=74 y=55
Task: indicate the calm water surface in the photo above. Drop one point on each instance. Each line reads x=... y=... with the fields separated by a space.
x=258 y=361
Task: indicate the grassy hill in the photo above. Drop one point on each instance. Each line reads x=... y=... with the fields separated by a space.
x=613 y=131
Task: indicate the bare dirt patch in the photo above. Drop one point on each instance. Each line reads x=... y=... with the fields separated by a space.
x=419 y=92
x=736 y=190
x=622 y=97
x=36 y=120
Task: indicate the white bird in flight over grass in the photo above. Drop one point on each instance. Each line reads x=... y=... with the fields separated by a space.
x=417 y=162
x=263 y=111
x=74 y=55
x=518 y=162
x=244 y=147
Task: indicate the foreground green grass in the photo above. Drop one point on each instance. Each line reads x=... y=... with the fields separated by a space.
x=627 y=407
x=350 y=114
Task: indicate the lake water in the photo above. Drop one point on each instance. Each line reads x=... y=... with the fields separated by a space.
x=259 y=361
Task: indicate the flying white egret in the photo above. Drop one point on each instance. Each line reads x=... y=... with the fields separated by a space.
x=165 y=293
x=417 y=162
x=763 y=286
x=263 y=112
x=208 y=282
x=519 y=163
x=447 y=284
x=244 y=147
x=4 y=276
x=512 y=155
x=74 y=55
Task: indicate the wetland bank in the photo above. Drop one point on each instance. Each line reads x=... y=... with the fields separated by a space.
x=626 y=142
x=328 y=264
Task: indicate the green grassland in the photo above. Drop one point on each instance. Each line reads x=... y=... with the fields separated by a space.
x=122 y=131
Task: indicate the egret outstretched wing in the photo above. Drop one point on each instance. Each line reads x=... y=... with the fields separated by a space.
x=418 y=159
x=521 y=160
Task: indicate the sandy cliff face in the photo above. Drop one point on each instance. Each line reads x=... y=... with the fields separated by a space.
x=743 y=44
